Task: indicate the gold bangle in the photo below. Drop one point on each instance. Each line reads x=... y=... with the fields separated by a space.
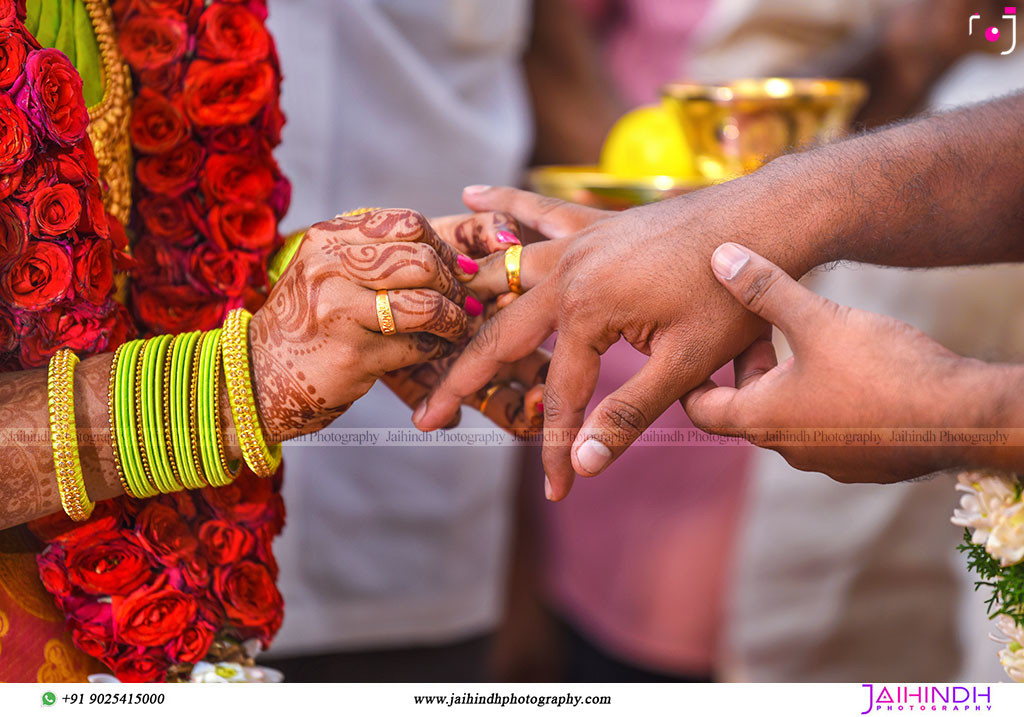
x=112 y=417
x=60 y=385
x=261 y=458
x=512 y=258
x=385 y=318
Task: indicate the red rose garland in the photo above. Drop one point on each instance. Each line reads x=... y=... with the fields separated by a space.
x=209 y=193
x=58 y=246
x=147 y=587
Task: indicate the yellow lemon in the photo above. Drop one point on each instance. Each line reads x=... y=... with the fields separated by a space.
x=647 y=141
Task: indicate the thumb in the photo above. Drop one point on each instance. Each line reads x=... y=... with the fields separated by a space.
x=765 y=289
x=551 y=217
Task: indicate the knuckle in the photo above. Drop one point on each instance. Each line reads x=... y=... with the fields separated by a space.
x=554 y=405
x=757 y=290
x=624 y=416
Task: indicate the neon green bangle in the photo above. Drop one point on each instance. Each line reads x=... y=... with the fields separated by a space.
x=152 y=403
x=182 y=354
x=127 y=437
x=214 y=466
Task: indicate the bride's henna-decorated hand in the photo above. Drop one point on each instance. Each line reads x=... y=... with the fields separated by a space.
x=316 y=344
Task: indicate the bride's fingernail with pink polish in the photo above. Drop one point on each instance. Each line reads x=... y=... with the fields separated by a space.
x=547 y=488
x=507 y=237
x=593 y=456
x=477 y=188
x=473 y=307
x=418 y=413
x=468 y=265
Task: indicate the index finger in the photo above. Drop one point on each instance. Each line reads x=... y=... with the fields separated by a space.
x=511 y=334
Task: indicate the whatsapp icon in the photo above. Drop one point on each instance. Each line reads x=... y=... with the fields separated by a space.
x=49 y=698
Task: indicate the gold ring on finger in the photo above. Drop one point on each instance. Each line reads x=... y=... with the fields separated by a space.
x=512 y=256
x=489 y=395
x=384 y=316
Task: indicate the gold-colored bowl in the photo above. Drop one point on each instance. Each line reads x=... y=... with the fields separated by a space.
x=587 y=184
x=735 y=127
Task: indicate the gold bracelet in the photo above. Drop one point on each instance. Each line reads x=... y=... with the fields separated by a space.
x=139 y=432
x=60 y=385
x=261 y=458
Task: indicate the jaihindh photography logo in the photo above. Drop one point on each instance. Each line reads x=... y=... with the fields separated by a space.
x=926 y=698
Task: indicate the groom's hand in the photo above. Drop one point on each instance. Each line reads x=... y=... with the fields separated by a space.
x=642 y=275
x=855 y=379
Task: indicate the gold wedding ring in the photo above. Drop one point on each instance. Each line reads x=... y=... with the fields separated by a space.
x=384 y=316
x=512 y=255
x=489 y=395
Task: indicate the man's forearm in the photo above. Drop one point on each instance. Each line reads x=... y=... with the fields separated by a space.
x=939 y=191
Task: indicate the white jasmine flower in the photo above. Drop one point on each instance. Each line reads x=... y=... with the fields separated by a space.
x=233 y=672
x=1006 y=540
x=986 y=496
x=1012 y=655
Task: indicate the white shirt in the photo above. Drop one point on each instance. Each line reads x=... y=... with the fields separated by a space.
x=395 y=103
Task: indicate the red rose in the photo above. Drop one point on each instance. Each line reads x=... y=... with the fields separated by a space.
x=224 y=272
x=227 y=93
x=236 y=139
x=152 y=615
x=94 y=270
x=231 y=32
x=13 y=52
x=193 y=644
x=242 y=225
x=225 y=542
x=52 y=572
x=11 y=11
x=157 y=124
x=141 y=666
x=168 y=536
x=237 y=177
x=149 y=43
x=187 y=10
x=117 y=234
x=8 y=336
x=177 y=309
x=244 y=501
x=166 y=79
x=195 y=571
x=78 y=164
x=169 y=218
x=9 y=183
x=115 y=566
x=39 y=171
x=13 y=220
x=94 y=219
x=55 y=210
x=50 y=93
x=250 y=598
x=171 y=173
x=15 y=136
x=272 y=122
x=95 y=643
x=39 y=277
